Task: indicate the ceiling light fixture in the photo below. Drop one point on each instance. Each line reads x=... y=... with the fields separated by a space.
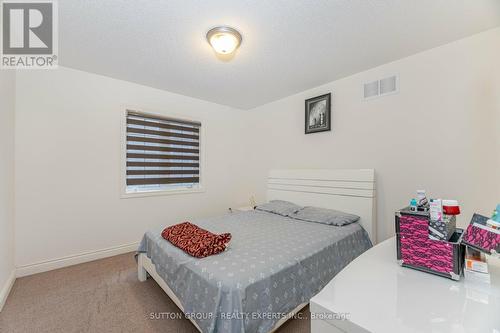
x=224 y=40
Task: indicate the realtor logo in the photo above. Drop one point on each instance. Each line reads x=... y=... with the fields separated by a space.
x=29 y=34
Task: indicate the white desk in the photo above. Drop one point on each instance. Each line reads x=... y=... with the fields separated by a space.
x=379 y=296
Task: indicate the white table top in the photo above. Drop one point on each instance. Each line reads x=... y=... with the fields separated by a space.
x=380 y=296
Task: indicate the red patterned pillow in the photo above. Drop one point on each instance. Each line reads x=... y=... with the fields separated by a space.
x=194 y=240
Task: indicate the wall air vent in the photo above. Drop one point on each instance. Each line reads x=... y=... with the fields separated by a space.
x=372 y=89
x=386 y=86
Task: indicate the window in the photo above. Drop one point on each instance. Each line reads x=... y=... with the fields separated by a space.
x=163 y=154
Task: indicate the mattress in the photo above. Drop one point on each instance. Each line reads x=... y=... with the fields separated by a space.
x=273 y=264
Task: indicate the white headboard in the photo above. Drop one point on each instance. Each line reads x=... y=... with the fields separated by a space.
x=351 y=191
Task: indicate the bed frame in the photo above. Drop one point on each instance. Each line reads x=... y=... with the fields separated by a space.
x=349 y=190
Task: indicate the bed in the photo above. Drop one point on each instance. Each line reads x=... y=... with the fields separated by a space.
x=274 y=264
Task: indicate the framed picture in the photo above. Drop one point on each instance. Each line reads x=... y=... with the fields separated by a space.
x=318 y=114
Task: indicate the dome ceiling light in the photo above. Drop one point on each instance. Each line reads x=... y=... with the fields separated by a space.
x=224 y=40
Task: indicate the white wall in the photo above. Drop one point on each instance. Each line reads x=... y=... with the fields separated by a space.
x=68 y=132
x=440 y=133
x=496 y=124
x=7 y=104
x=68 y=148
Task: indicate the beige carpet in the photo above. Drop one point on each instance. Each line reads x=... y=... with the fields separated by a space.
x=100 y=296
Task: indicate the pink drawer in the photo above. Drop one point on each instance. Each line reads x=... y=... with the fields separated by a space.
x=414 y=225
x=427 y=253
x=416 y=250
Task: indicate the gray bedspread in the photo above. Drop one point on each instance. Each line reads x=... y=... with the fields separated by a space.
x=272 y=265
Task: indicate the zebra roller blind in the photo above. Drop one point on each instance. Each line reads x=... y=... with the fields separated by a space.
x=162 y=153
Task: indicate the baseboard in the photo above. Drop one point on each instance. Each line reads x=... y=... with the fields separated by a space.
x=5 y=291
x=49 y=265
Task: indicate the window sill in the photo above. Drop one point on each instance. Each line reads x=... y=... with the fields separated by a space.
x=160 y=193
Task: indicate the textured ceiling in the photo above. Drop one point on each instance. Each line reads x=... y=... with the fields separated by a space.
x=288 y=45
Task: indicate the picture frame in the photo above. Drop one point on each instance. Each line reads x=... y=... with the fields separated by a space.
x=318 y=116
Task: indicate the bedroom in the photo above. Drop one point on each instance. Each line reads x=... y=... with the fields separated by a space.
x=70 y=223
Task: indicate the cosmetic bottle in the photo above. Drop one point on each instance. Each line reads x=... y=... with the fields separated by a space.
x=413 y=205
